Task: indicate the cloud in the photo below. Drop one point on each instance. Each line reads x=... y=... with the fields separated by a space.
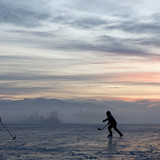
x=104 y=44
x=88 y=22
x=13 y=89
x=103 y=7
x=19 y=14
x=52 y=46
x=100 y=86
x=67 y=19
x=34 y=33
x=136 y=25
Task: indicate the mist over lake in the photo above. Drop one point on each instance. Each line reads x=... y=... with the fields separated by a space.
x=76 y=111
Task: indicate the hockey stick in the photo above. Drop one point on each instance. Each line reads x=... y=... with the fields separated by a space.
x=102 y=127
x=13 y=137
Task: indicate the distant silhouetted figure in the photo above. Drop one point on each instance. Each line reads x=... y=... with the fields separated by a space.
x=112 y=124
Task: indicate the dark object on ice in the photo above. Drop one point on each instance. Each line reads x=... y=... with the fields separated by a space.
x=13 y=137
x=112 y=124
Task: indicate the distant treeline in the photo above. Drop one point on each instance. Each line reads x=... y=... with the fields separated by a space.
x=36 y=118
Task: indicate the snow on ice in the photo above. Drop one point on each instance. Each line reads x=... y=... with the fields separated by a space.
x=79 y=142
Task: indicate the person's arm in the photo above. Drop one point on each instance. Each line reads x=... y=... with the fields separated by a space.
x=105 y=120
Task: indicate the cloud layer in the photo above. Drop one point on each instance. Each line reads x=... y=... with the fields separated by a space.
x=79 y=49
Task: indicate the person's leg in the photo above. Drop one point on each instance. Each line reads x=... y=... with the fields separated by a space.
x=110 y=130
x=116 y=129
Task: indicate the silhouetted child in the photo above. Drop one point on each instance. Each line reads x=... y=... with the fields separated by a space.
x=112 y=124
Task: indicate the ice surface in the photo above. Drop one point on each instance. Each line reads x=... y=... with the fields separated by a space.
x=79 y=142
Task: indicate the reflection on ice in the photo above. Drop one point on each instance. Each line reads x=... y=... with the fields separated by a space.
x=80 y=142
x=112 y=145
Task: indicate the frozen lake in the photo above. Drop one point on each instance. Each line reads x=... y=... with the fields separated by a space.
x=79 y=142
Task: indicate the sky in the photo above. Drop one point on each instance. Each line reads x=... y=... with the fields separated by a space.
x=80 y=49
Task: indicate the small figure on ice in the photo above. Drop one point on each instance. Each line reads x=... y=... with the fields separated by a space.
x=112 y=124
